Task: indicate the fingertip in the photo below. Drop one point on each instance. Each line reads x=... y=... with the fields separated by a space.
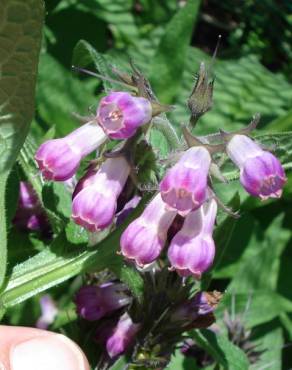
x=33 y=349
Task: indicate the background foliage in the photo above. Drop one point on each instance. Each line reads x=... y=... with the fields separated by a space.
x=167 y=40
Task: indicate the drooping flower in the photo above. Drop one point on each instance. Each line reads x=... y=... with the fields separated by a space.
x=144 y=238
x=59 y=159
x=95 y=197
x=29 y=214
x=48 y=312
x=122 y=336
x=184 y=187
x=94 y=302
x=120 y=114
x=192 y=250
x=261 y=173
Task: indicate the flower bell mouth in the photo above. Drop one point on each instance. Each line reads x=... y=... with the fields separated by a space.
x=111 y=117
x=120 y=114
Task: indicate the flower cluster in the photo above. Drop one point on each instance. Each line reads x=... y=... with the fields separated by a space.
x=103 y=303
x=118 y=116
x=185 y=191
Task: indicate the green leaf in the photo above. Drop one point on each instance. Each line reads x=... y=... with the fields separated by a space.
x=270 y=340
x=20 y=38
x=168 y=63
x=76 y=234
x=283 y=123
x=60 y=94
x=57 y=198
x=260 y=263
x=254 y=308
x=120 y=364
x=84 y=54
x=221 y=349
x=116 y=13
x=180 y=361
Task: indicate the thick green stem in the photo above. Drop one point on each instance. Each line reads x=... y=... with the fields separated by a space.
x=164 y=126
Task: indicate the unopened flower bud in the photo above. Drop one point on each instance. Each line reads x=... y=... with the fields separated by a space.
x=95 y=201
x=200 y=100
x=184 y=187
x=94 y=302
x=122 y=337
x=190 y=310
x=192 y=250
x=144 y=238
x=261 y=173
x=120 y=114
x=59 y=159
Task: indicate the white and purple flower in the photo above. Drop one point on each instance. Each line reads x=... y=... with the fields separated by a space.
x=184 y=187
x=192 y=250
x=95 y=197
x=261 y=173
x=144 y=239
x=59 y=159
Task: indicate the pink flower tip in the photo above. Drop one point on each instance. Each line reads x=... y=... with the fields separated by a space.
x=57 y=160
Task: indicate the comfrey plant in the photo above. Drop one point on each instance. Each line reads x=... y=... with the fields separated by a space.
x=171 y=242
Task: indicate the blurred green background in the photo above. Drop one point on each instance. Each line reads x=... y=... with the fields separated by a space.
x=167 y=40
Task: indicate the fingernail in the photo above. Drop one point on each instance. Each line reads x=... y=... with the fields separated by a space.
x=2 y=367
x=46 y=353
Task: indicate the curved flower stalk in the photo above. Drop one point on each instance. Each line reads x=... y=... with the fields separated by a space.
x=94 y=302
x=192 y=250
x=261 y=173
x=95 y=197
x=122 y=336
x=144 y=239
x=120 y=114
x=59 y=159
x=184 y=187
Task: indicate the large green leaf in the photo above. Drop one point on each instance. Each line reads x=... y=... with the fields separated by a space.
x=20 y=37
x=168 y=63
x=260 y=263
